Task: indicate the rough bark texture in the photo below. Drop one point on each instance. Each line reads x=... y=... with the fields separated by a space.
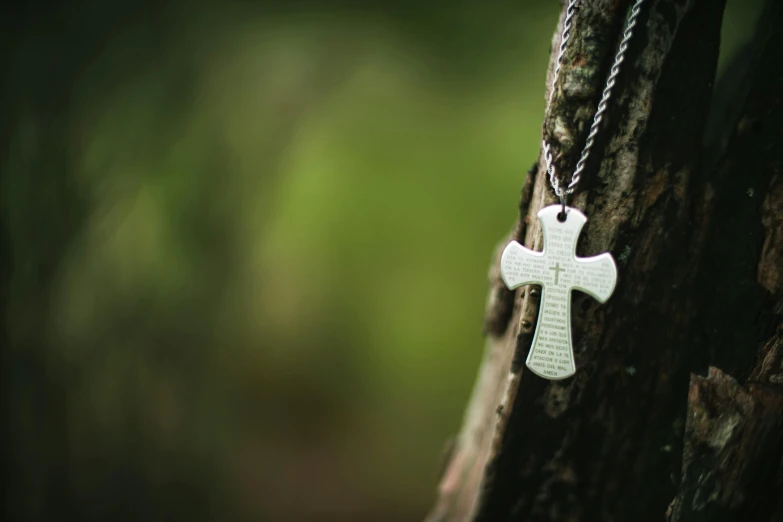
x=697 y=231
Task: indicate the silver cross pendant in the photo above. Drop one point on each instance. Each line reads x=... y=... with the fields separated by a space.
x=558 y=271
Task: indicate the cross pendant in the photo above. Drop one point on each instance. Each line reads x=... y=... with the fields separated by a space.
x=558 y=271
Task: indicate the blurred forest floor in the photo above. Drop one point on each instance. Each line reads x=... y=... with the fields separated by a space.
x=248 y=248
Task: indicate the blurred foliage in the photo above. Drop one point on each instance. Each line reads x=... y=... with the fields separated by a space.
x=248 y=248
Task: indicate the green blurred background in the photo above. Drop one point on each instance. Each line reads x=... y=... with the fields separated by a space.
x=247 y=245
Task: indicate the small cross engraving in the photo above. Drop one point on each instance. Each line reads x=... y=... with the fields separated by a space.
x=551 y=354
x=557 y=270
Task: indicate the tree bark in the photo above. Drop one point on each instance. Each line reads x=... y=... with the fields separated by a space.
x=694 y=219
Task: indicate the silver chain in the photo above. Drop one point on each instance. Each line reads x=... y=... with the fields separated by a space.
x=610 y=81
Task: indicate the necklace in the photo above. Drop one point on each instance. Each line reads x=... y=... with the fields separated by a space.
x=563 y=192
x=556 y=268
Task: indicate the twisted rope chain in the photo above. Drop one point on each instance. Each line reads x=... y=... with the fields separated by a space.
x=560 y=191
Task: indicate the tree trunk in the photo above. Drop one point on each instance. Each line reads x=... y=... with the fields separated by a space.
x=686 y=191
